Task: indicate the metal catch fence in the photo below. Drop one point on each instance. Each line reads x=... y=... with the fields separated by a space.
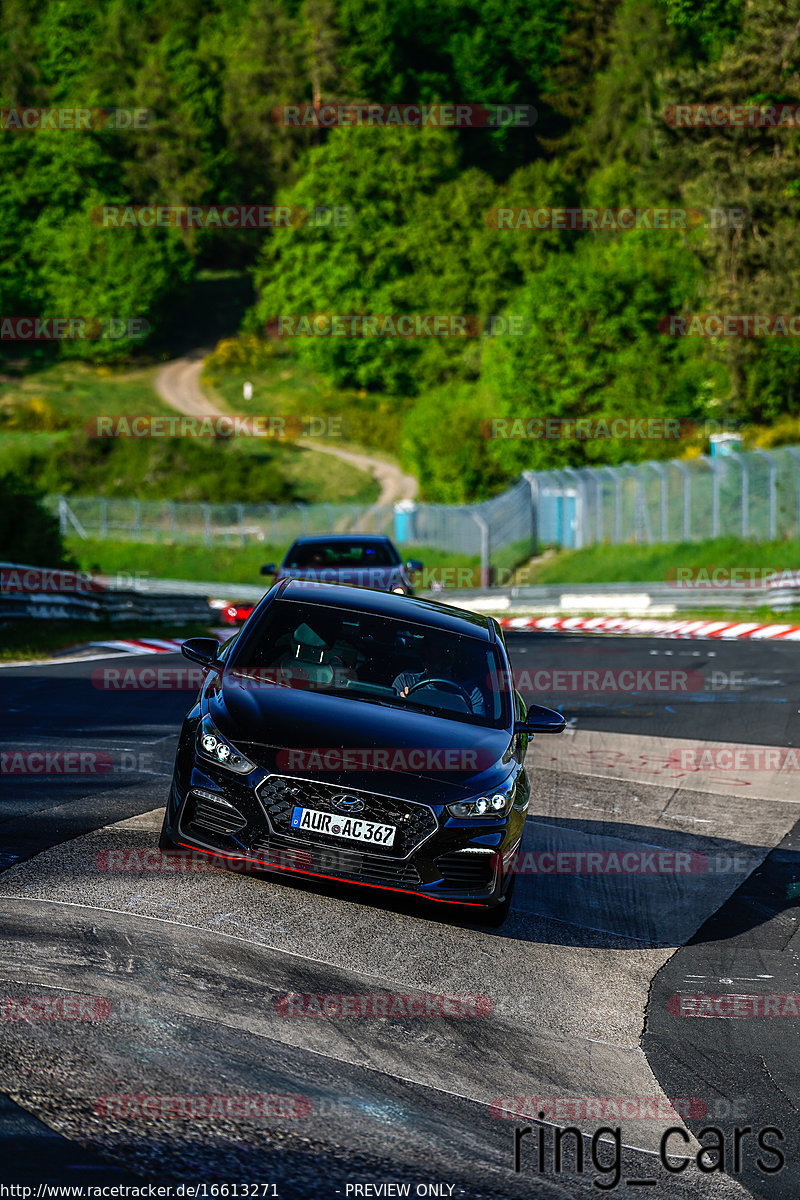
x=753 y=495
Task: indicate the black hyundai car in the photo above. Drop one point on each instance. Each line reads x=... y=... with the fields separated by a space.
x=362 y=736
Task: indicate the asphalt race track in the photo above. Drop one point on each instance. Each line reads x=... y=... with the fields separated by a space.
x=584 y=1002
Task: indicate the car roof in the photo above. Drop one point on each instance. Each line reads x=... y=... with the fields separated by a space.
x=340 y=537
x=389 y=604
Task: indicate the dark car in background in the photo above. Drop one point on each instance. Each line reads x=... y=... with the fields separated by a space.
x=351 y=734
x=366 y=560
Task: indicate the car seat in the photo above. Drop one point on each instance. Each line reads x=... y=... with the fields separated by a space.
x=309 y=657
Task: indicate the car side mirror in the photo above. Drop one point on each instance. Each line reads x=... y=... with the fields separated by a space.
x=541 y=720
x=269 y=569
x=202 y=650
x=414 y=564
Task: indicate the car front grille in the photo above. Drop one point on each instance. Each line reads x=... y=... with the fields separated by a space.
x=414 y=822
x=366 y=868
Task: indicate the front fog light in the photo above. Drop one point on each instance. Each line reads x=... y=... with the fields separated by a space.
x=213 y=746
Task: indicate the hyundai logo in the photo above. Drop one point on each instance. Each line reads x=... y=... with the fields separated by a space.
x=347 y=804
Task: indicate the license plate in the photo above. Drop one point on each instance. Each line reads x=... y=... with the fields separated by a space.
x=354 y=829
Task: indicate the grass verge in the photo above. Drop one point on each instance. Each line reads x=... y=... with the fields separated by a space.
x=67 y=394
x=145 y=560
x=653 y=564
x=232 y=564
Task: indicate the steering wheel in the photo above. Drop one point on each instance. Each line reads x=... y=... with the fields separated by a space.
x=447 y=683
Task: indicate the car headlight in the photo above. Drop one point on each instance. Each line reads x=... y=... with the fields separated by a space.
x=493 y=804
x=213 y=746
x=401 y=591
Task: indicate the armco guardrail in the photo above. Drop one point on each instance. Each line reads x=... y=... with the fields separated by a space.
x=649 y=597
x=60 y=595
x=249 y=592
x=118 y=609
x=36 y=593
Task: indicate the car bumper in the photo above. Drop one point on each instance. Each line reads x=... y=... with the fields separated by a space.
x=454 y=862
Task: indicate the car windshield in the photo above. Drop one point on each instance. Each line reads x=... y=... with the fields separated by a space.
x=372 y=657
x=340 y=554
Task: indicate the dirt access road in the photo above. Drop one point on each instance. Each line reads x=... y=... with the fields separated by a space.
x=178 y=385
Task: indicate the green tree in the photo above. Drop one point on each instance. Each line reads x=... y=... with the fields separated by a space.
x=409 y=51
x=445 y=444
x=593 y=350
x=750 y=265
x=262 y=68
x=122 y=278
x=377 y=178
x=570 y=80
x=705 y=27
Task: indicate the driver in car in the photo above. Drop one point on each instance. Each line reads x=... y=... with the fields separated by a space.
x=406 y=680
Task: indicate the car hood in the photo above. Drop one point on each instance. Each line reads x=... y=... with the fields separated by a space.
x=339 y=740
